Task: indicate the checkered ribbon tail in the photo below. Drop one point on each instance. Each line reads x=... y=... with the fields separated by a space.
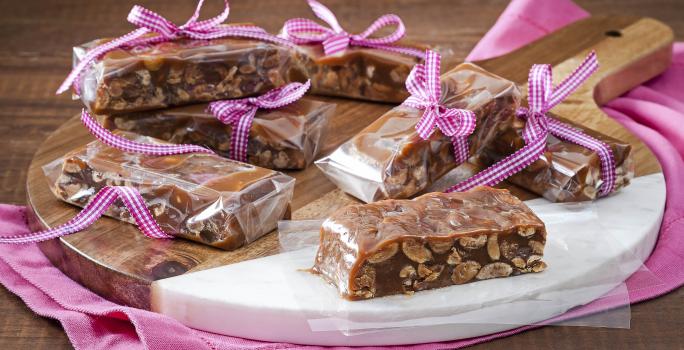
x=335 y=39
x=424 y=85
x=542 y=97
x=240 y=113
x=129 y=196
x=150 y=22
x=108 y=138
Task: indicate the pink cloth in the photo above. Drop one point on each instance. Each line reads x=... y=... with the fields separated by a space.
x=653 y=111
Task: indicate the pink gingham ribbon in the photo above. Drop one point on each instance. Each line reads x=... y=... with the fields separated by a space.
x=542 y=97
x=240 y=113
x=131 y=199
x=130 y=196
x=108 y=138
x=150 y=22
x=423 y=83
x=335 y=39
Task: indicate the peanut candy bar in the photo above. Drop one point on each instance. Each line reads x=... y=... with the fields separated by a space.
x=388 y=159
x=283 y=138
x=433 y=241
x=566 y=172
x=181 y=72
x=200 y=197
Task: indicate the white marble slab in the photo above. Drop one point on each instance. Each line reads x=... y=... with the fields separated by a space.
x=272 y=299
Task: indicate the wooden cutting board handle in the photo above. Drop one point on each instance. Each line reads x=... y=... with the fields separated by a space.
x=630 y=52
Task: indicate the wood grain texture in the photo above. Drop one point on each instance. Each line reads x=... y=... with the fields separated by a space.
x=36 y=39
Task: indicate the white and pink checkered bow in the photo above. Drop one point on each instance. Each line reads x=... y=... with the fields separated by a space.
x=424 y=85
x=240 y=113
x=151 y=22
x=129 y=196
x=335 y=39
x=542 y=96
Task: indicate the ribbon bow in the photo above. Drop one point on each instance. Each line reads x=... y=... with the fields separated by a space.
x=542 y=97
x=335 y=39
x=423 y=83
x=240 y=113
x=151 y=22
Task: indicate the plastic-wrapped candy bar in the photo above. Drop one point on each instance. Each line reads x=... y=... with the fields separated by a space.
x=567 y=172
x=388 y=159
x=359 y=73
x=553 y=157
x=162 y=64
x=180 y=72
x=436 y=240
x=284 y=138
x=361 y=66
x=200 y=197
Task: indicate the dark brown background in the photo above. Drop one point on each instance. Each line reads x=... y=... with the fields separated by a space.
x=36 y=52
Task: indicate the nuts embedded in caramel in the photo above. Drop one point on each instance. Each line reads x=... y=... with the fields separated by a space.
x=416 y=251
x=441 y=246
x=493 y=270
x=493 y=247
x=186 y=194
x=454 y=258
x=465 y=272
x=384 y=254
x=188 y=71
x=475 y=242
x=409 y=253
x=283 y=138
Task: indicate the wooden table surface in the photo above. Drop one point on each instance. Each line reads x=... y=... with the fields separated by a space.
x=37 y=37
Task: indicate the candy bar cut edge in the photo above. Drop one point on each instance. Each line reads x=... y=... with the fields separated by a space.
x=425 y=262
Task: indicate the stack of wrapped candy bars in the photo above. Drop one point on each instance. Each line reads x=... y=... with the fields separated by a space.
x=194 y=121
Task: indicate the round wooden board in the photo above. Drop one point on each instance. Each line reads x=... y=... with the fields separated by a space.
x=114 y=260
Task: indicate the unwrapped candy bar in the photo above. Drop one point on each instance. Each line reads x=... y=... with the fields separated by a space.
x=284 y=138
x=388 y=159
x=436 y=240
x=181 y=72
x=200 y=197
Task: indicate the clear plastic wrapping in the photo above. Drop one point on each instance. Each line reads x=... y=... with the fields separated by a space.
x=200 y=197
x=282 y=138
x=586 y=262
x=186 y=71
x=359 y=73
x=567 y=172
x=388 y=159
x=181 y=72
